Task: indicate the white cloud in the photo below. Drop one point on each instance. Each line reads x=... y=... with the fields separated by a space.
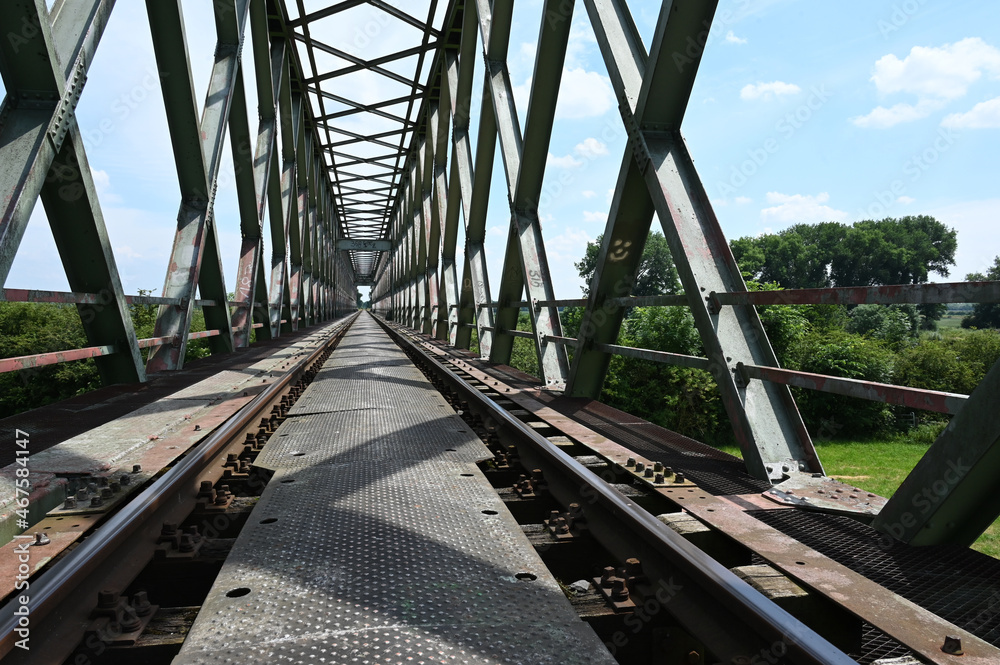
x=587 y=193
x=883 y=118
x=591 y=148
x=800 y=209
x=741 y=200
x=595 y=216
x=975 y=222
x=768 y=90
x=584 y=94
x=905 y=200
x=984 y=115
x=936 y=75
x=731 y=38
x=566 y=162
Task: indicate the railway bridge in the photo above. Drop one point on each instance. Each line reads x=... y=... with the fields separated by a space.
x=332 y=485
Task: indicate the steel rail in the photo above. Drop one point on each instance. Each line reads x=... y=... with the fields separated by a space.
x=769 y=621
x=55 y=584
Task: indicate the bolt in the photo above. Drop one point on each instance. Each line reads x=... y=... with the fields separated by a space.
x=619 y=590
x=633 y=567
x=953 y=645
x=107 y=599
x=678 y=477
x=106 y=493
x=136 y=468
x=561 y=525
x=639 y=467
x=607 y=575
x=658 y=466
x=197 y=428
x=125 y=479
x=41 y=539
x=693 y=658
x=70 y=502
x=96 y=502
x=168 y=529
x=658 y=479
x=649 y=472
x=668 y=471
x=554 y=515
x=140 y=601
x=187 y=543
x=630 y=462
x=130 y=621
x=81 y=495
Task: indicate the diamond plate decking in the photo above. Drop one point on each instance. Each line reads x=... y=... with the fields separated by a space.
x=379 y=541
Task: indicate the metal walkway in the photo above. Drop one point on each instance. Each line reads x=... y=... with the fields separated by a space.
x=379 y=540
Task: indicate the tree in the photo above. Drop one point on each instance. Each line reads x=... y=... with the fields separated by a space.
x=657 y=274
x=867 y=253
x=984 y=314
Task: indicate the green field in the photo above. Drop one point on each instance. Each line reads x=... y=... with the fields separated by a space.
x=880 y=465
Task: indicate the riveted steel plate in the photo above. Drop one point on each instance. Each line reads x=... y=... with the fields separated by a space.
x=382 y=562
x=431 y=432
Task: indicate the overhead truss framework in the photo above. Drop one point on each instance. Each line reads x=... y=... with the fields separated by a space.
x=363 y=171
x=416 y=283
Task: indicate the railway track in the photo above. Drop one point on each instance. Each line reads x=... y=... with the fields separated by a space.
x=630 y=539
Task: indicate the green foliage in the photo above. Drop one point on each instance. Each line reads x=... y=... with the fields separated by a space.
x=33 y=328
x=867 y=253
x=894 y=325
x=784 y=325
x=656 y=276
x=523 y=356
x=849 y=356
x=950 y=364
x=984 y=315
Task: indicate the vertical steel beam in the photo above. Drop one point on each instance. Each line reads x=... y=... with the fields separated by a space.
x=525 y=263
x=252 y=166
x=765 y=420
x=44 y=64
x=195 y=262
x=950 y=496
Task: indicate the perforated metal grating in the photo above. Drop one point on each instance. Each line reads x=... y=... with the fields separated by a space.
x=958 y=584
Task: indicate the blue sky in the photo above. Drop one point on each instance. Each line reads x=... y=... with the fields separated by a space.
x=802 y=112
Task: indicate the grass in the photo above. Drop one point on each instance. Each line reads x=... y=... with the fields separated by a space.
x=880 y=464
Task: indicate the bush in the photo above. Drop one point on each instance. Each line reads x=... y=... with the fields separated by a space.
x=950 y=364
x=848 y=356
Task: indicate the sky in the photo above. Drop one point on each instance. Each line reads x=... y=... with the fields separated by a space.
x=801 y=112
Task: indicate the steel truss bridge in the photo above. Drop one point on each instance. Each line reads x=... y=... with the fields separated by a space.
x=386 y=206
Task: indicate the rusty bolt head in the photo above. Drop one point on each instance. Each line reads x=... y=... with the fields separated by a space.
x=649 y=472
x=41 y=539
x=575 y=510
x=953 y=645
x=129 y=620
x=658 y=478
x=107 y=599
x=140 y=601
x=81 y=495
x=96 y=502
x=678 y=477
x=633 y=567
x=607 y=575
x=197 y=428
x=136 y=468
x=668 y=471
x=640 y=467
x=187 y=543
x=562 y=526
x=554 y=515
x=658 y=466
x=125 y=479
x=630 y=462
x=168 y=529
x=619 y=590
x=106 y=493
x=70 y=502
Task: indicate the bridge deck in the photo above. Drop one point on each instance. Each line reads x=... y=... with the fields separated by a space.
x=378 y=540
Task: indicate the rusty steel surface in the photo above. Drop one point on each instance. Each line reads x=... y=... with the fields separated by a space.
x=917 y=398
x=124 y=543
x=738 y=516
x=42 y=359
x=750 y=611
x=955 y=292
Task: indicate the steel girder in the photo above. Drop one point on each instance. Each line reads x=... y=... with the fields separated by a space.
x=44 y=67
x=658 y=175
